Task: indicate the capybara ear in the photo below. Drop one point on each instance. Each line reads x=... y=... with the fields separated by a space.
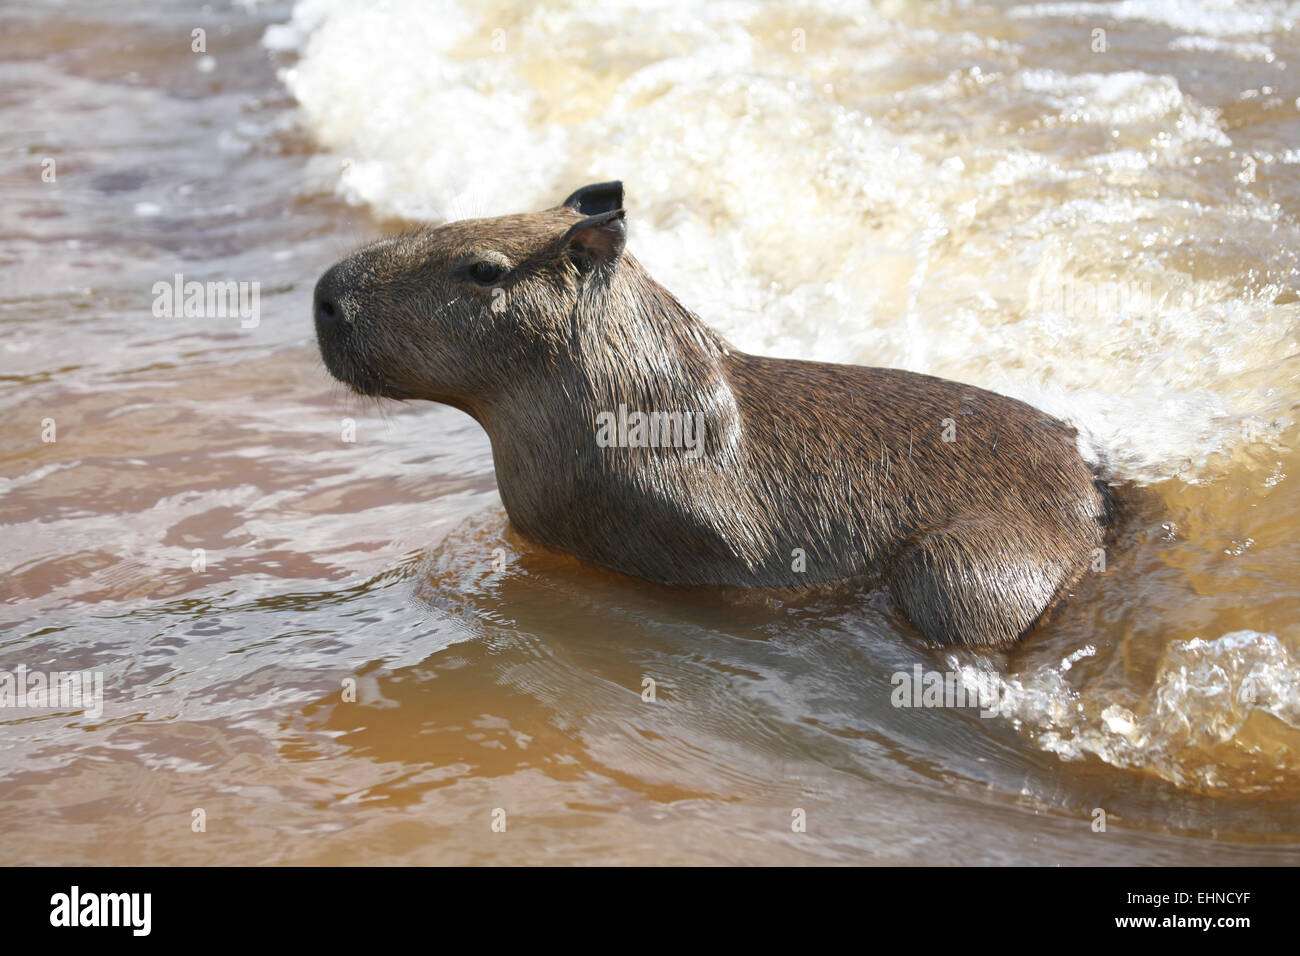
x=596 y=239
x=596 y=198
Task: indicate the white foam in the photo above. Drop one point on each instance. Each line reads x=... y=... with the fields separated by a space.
x=1194 y=726
x=1242 y=50
x=1212 y=17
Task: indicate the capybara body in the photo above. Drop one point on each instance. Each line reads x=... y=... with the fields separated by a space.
x=974 y=509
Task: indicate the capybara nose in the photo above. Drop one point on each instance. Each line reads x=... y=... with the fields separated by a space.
x=327 y=307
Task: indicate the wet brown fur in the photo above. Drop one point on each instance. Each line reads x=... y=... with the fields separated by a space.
x=975 y=538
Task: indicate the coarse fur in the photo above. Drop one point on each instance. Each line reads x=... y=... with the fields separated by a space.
x=975 y=510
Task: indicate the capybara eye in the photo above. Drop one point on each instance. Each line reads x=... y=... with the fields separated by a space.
x=485 y=273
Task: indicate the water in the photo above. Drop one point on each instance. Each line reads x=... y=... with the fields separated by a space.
x=965 y=189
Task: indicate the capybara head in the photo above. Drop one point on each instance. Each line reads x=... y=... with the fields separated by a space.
x=453 y=313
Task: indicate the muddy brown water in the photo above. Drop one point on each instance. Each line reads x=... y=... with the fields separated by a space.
x=491 y=675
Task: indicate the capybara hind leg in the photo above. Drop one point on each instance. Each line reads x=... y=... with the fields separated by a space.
x=968 y=583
